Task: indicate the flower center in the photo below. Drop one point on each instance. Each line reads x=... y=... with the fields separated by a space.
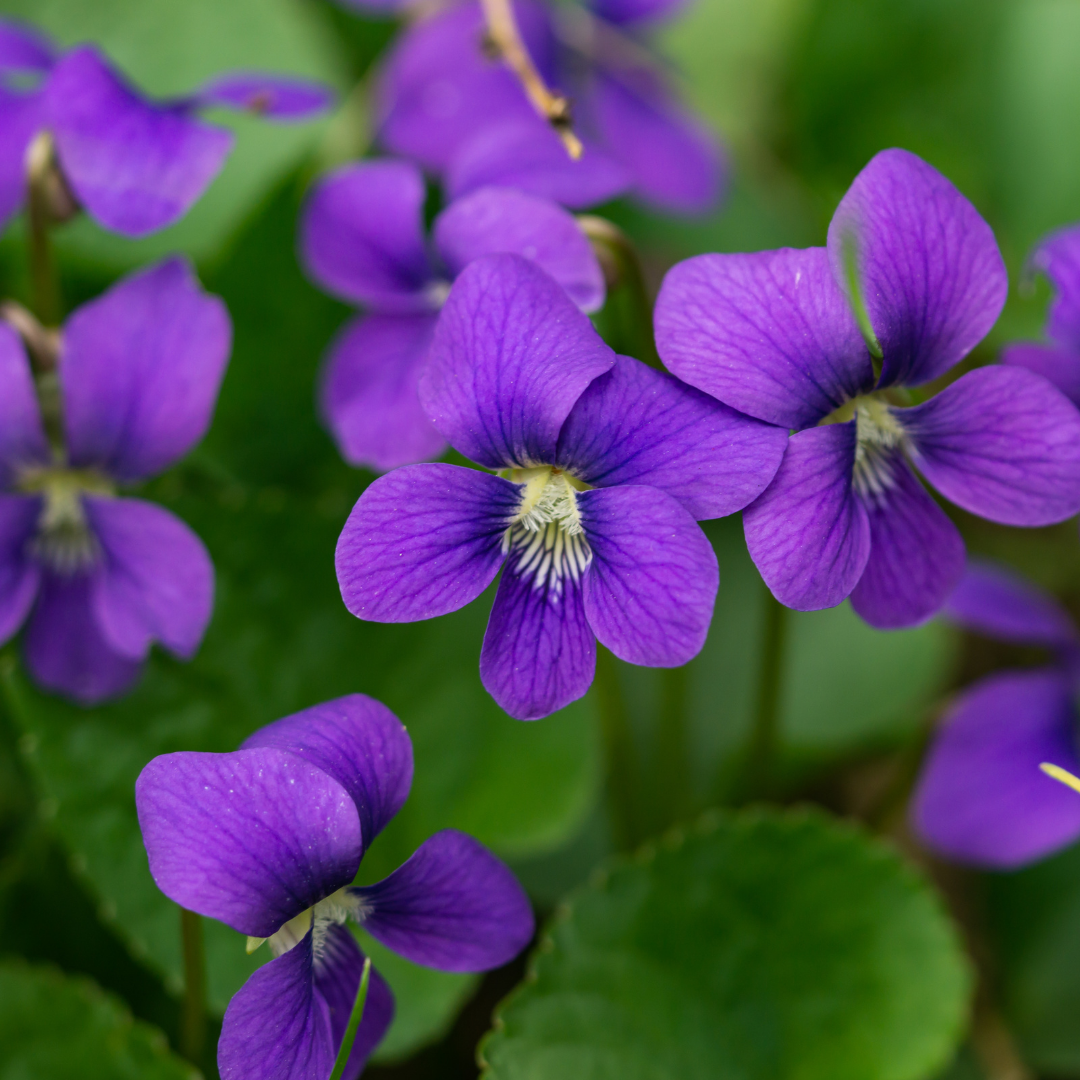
x=879 y=436
x=64 y=540
x=333 y=911
x=545 y=536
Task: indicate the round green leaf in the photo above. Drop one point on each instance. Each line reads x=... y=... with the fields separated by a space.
x=762 y=945
x=55 y=1028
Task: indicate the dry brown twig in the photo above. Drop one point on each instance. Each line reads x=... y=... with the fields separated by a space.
x=505 y=38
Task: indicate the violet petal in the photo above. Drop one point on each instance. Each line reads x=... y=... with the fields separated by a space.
x=370 y=392
x=66 y=648
x=929 y=270
x=767 y=333
x=422 y=541
x=22 y=116
x=650 y=590
x=362 y=236
x=809 y=534
x=141 y=369
x=1001 y=442
x=252 y=838
x=453 y=906
x=133 y=165
x=19 y=574
x=360 y=743
x=1059 y=366
x=24 y=47
x=981 y=798
x=495 y=220
x=635 y=425
x=1058 y=256
x=276 y=97
x=22 y=438
x=916 y=555
x=511 y=356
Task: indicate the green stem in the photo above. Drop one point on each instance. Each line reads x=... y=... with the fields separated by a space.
x=765 y=734
x=354 y=1023
x=619 y=753
x=44 y=283
x=193 y=1014
x=673 y=747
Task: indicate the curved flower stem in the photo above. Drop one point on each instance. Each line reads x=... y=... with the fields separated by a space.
x=628 y=292
x=41 y=179
x=505 y=39
x=672 y=747
x=764 y=735
x=355 y=1017
x=193 y=1013
x=620 y=757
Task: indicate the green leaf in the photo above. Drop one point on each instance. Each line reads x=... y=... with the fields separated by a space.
x=771 y=945
x=56 y=1028
x=171 y=47
x=268 y=494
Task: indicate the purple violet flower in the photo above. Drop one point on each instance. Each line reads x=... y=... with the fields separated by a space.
x=134 y=165
x=603 y=467
x=362 y=238
x=774 y=335
x=100 y=577
x=268 y=840
x=447 y=104
x=981 y=798
x=1058 y=256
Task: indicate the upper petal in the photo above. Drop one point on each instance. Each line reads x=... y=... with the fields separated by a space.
x=422 y=541
x=437 y=86
x=360 y=743
x=140 y=371
x=673 y=160
x=24 y=48
x=22 y=116
x=1058 y=256
x=133 y=165
x=539 y=651
x=19 y=574
x=156 y=582
x=362 y=235
x=993 y=600
x=808 y=533
x=453 y=906
x=768 y=334
x=67 y=650
x=650 y=590
x=981 y=797
x=276 y=1026
x=511 y=356
x=636 y=425
x=277 y=97
x=370 y=391
x=526 y=153
x=928 y=268
x=1001 y=442
x=338 y=970
x=634 y=12
x=252 y=838
x=495 y=220
x=1059 y=366
x=916 y=554
x=22 y=438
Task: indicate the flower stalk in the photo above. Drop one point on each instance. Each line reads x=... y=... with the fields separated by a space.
x=193 y=1013
x=765 y=734
x=620 y=756
x=355 y=1017
x=48 y=202
x=505 y=40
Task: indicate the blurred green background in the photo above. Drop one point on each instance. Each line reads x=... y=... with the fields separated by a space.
x=804 y=92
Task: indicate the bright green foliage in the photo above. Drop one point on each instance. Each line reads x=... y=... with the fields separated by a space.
x=56 y=1028
x=780 y=946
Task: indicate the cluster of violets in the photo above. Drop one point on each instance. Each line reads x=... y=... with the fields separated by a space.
x=814 y=390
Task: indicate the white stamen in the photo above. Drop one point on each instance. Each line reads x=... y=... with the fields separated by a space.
x=64 y=540
x=333 y=911
x=880 y=438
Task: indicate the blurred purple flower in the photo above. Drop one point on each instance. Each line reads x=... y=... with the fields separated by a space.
x=1058 y=256
x=774 y=334
x=362 y=238
x=134 y=165
x=604 y=466
x=981 y=798
x=460 y=113
x=269 y=839
x=100 y=577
